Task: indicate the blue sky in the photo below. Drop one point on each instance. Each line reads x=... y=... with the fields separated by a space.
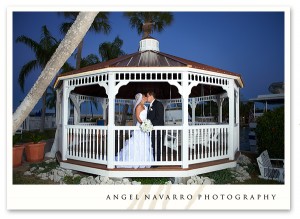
x=248 y=43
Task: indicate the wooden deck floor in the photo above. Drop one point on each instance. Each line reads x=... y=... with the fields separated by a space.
x=159 y=168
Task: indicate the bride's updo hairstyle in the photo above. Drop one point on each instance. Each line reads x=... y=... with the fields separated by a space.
x=138 y=98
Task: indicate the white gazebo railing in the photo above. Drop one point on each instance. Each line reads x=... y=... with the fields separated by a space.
x=208 y=143
x=205 y=143
x=87 y=143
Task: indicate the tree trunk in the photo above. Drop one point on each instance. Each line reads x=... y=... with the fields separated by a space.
x=63 y=52
x=43 y=115
x=79 y=54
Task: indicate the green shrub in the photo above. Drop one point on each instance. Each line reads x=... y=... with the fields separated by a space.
x=270 y=133
x=221 y=176
x=151 y=180
x=72 y=180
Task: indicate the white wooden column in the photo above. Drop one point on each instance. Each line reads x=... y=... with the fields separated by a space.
x=193 y=111
x=230 y=92
x=65 y=115
x=77 y=103
x=220 y=109
x=165 y=104
x=237 y=131
x=185 y=120
x=111 y=121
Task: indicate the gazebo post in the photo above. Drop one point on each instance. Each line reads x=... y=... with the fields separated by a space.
x=193 y=111
x=76 y=103
x=231 y=136
x=185 y=123
x=220 y=109
x=237 y=105
x=111 y=121
x=165 y=104
x=104 y=106
x=65 y=115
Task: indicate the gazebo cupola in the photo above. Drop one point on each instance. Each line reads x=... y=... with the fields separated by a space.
x=149 y=43
x=192 y=143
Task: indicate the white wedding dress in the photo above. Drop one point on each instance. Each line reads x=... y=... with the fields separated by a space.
x=137 y=147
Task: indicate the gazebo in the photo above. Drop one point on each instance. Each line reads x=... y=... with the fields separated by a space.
x=190 y=145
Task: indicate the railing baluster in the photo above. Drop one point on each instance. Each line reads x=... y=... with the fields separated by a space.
x=86 y=143
x=173 y=143
x=77 y=142
x=105 y=144
x=97 y=144
x=94 y=143
x=161 y=142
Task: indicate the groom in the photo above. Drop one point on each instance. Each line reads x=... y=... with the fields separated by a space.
x=156 y=116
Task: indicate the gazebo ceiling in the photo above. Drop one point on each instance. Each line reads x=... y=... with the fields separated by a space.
x=163 y=90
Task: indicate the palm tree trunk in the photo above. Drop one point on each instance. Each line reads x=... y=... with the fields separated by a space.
x=79 y=54
x=43 y=115
x=63 y=52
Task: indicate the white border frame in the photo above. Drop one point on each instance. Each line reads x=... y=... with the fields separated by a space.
x=94 y=197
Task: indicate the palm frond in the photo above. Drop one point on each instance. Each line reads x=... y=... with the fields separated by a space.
x=64 y=27
x=66 y=68
x=35 y=46
x=26 y=69
x=91 y=59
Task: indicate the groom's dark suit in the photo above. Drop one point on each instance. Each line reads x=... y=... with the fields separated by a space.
x=156 y=116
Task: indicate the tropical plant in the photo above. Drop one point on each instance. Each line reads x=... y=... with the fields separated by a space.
x=100 y=24
x=111 y=50
x=43 y=50
x=91 y=59
x=63 y=52
x=270 y=133
x=36 y=137
x=147 y=22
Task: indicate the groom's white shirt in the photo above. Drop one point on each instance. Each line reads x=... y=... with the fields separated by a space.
x=151 y=103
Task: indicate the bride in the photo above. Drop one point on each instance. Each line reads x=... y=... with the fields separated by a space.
x=137 y=148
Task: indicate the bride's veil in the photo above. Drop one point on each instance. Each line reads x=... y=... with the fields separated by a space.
x=138 y=99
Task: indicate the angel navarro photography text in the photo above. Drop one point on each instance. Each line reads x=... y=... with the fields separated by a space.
x=206 y=197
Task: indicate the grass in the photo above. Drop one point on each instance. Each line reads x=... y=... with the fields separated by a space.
x=151 y=180
x=70 y=180
x=221 y=176
x=47 y=166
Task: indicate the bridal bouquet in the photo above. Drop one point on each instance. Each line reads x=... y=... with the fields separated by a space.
x=146 y=126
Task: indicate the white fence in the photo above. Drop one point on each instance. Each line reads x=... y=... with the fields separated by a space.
x=204 y=143
x=33 y=123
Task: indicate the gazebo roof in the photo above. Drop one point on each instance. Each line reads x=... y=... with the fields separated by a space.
x=148 y=58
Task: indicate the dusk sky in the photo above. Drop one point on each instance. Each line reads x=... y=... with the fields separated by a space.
x=247 y=43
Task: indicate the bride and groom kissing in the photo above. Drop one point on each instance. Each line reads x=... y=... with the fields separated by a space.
x=143 y=146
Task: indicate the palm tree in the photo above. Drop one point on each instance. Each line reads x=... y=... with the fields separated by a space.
x=100 y=24
x=111 y=50
x=91 y=59
x=65 y=49
x=43 y=50
x=147 y=22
